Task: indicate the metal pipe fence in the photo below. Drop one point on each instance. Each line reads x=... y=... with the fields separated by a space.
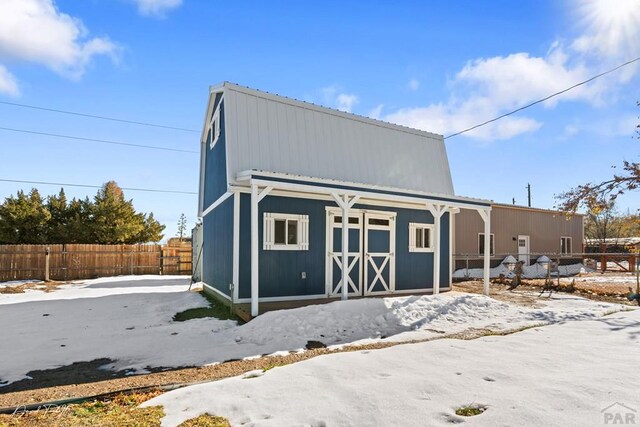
x=602 y=261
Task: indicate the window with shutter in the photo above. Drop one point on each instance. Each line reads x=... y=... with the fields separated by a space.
x=285 y=232
x=420 y=237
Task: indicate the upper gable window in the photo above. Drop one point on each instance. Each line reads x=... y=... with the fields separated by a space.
x=214 y=134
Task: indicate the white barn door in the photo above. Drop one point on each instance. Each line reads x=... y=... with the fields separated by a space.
x=334 y=253
x=380 y=257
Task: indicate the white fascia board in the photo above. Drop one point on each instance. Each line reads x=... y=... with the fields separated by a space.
x=212 y=289
x=306 y=185
x=213 y=90
x=217 y=203
x=330 y=111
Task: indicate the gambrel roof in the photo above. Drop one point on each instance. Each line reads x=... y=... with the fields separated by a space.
x=275 y=133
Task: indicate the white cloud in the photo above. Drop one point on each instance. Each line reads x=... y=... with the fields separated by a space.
x=413 y=84
x=8 y=83
x=376 y=112
x=156 y=8
x=446 y=119
x=35 y=31
x=571 y=130
x=489 y=87
x=346 y=101
x=333 y=97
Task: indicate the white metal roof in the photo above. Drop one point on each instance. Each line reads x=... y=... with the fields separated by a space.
x=460 y=201
x=275 y=133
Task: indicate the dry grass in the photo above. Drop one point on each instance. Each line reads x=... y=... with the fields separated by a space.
x=206 y=420
x=121 y=410
x=40 y=286
x=527 y=293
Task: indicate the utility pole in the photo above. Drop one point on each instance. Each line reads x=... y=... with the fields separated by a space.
x=513 y=200
x=529 y=193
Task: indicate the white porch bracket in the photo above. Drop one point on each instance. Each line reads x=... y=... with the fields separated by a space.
x=345 y=202
x=264 y=193
x=485 y=214
x=256 y=197
x=437 y=211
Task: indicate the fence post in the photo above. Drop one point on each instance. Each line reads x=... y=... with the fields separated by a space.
x=131 y=260
x=64 y=261
x=46 y=264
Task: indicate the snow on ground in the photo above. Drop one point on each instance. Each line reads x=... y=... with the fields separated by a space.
x=129 y=320
x=564 y=374
x=622 y=278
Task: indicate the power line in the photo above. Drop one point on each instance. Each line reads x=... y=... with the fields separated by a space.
x=151 y=190
x=103 y=141
x=93 y=116
x=544 y=99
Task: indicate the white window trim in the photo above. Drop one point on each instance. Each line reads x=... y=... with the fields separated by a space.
x=492 y=248
x=268 y=232
x=413 y=226
x=571 y=244
x=215 y=127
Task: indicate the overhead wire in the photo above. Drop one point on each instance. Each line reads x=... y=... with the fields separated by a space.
x=103 y=141
x=63 y=184
x=546 y=98
x=95 y=116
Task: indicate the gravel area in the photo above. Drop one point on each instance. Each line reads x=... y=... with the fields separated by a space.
x=596 y=286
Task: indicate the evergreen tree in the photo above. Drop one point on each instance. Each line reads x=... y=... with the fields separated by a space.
x=152 y=231
x=58 y=226
x=114 y=219
x=108 y=219
x=79 y=227
x=23 y=219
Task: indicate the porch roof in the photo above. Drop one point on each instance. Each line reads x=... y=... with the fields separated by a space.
x=327 y=186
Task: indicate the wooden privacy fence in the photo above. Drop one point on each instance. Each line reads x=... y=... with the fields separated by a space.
x=79 y=261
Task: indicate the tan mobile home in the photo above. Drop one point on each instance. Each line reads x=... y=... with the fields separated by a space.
x=523 y=232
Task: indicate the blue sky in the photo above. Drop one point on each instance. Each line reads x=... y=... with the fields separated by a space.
x=439 y=65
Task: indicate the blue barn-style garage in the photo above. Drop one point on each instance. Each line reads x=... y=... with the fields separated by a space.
x=279 y=176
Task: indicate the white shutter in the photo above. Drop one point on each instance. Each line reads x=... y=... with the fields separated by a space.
x=412 y=237
x=303 y=232
x=267 y=231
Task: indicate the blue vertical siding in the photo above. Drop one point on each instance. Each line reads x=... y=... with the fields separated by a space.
x=414 y=270
x=217 y=253
x=215 y=175
x=280 y=271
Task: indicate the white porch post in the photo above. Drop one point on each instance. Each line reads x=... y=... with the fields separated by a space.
x=346 y=204
x=345 y=247
x=486 y=217
x=236 y=245
x=436 y=211
x=254 y=250
x=255 y=271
